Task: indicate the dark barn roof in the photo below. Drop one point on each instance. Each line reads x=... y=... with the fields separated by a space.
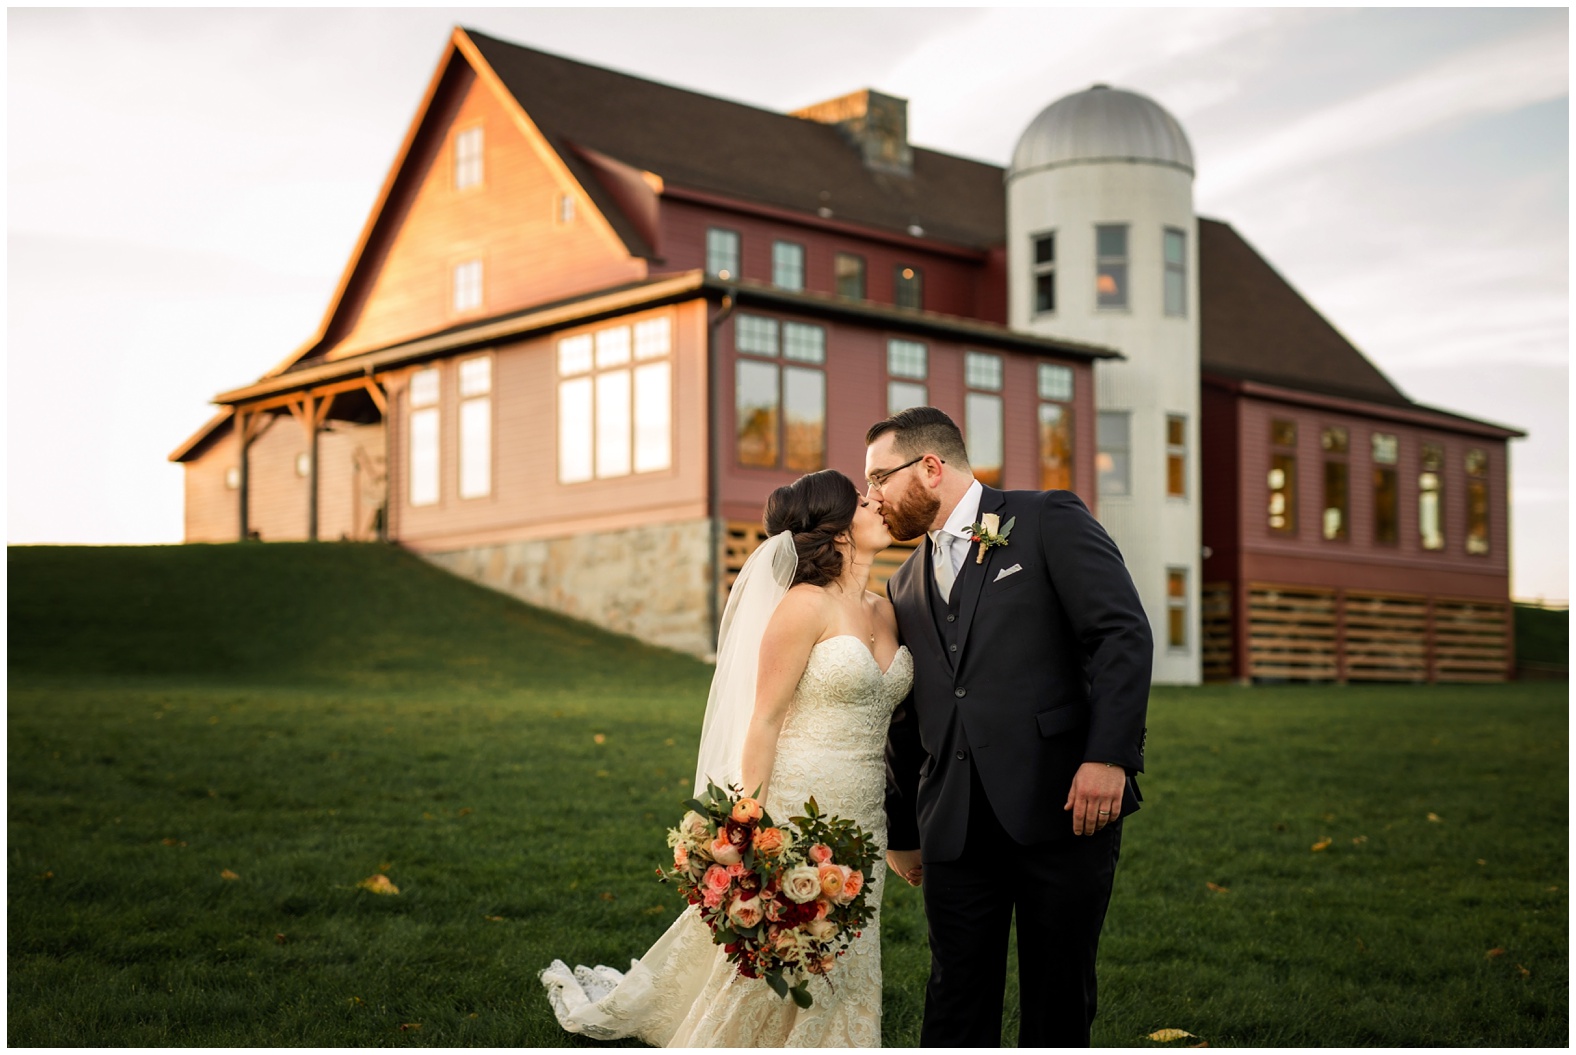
x=743 y=152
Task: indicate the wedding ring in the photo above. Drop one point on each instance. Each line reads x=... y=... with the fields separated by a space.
x=1104 y=812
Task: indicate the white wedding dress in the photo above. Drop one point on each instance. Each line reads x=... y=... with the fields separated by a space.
x=683 y=992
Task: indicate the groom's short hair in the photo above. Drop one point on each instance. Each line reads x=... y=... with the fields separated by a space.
x=918 y=431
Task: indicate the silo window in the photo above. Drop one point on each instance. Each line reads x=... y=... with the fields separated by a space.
x=1044 y=273
x=1111 y=459
x=1110 y=281
x=1176 y=271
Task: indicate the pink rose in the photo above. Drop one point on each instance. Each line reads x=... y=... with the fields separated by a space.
x=712 y=898
x=737 y=869
x=746 y=912
x=822 y=908
x=820 y=853
x=681 y=856
x=747 y=811
x=831 y=877
x=853 y=883
x=724 y=852
x=717 y=878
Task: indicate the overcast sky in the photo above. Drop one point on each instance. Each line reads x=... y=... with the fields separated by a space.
x=185 y=186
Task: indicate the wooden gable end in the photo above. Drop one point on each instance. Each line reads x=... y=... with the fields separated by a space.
x=526 y=223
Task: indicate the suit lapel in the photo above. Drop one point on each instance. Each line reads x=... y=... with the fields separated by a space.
x=971 y=579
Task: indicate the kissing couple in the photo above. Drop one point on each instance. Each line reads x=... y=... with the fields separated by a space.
x=984 y=719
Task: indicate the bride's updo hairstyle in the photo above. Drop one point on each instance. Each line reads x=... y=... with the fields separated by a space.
x=816 y=508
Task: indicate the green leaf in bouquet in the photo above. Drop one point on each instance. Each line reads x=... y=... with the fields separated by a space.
x=801 y=994
x=697 y=805
x=726 y=936
x=780 y=987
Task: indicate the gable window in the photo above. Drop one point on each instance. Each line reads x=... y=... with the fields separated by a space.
x=850 y=271
x=468 y=158
x=1283 y=477
x=780 y=394
x=1477 y=501
x=788 y=265
x=910 y=361
x=1176 y=271
x=1112 y=458
x=1056 y=427
x=1333 y=440
x=1110 y=269
x=615 y=401
x=467 y=283
x=1176 y=608
x=1044 y=273
x=1387 y=499
x=476 y=427
x=982 y=415
x=1430 y=512
x=424 y=437
x=909 y=289
x=722 y=253
x=1176 y=456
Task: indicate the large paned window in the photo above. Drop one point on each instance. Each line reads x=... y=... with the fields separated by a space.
x=1176 y=271
x=1176 y=608
x=1283 y=477
x=1176 y=456
x=1387 y=497
x=982 y=414
x=1056 y=426
x=1113 y=456
x=850 y=271
x=468 y=158
x=908 y=368
x=1044 y=250
x=788 y=265
x=1477 y=501
x=467 y=285
x=424 y=437
x=476 y=426
x=1430 y=499
x=1334 y=440
x=722 y=253
x=780 y=394
x=1110 y=269
x=615 y=401
x=910 y=287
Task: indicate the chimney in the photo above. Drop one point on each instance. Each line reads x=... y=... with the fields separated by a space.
x=876 y=124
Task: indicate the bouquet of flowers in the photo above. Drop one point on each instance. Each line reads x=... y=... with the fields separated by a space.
x=783 y=902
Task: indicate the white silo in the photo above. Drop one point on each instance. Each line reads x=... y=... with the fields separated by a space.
x=1103 y=247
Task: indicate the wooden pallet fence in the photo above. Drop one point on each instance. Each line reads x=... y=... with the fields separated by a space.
x=1386 y=637
x=1470 y=639
x=1291 y=632
x=740 y=538
x=1215 y=618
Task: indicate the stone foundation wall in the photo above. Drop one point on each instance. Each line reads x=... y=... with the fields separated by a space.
x=649 y=582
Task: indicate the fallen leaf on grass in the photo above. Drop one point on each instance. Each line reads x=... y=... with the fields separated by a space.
x=1358 y=840
x=356 y=1001
x=172 y=842
x=385 y=866
x=1482 y=861
x=1434 y=817
x=1524 y=972
x=1217 y=888
x=378 y=884
x=1322 y=844
x=227 y=874
x=465 y=811
x=1165 y=1036
x=608 y=897
x=656 y=910
x=600 y=738
x=668 y=742
x=1494 y=954
x=404 y=1026
x=496 y=919
x=279 y=939
x=47 y=875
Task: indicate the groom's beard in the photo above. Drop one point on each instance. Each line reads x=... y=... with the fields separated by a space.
x=911 y=517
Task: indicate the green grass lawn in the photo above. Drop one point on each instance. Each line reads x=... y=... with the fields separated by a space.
x=303 y=717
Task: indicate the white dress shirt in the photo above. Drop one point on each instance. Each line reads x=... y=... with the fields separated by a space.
x=953 y=537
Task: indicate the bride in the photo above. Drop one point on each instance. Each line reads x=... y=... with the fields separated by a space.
x=809 y=670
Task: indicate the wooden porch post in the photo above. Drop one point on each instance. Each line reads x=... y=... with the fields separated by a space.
x=380 y=399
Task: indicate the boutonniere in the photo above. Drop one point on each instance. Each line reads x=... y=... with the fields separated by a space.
x=987 y=535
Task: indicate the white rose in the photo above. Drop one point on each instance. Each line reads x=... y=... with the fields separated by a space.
x=801 y=884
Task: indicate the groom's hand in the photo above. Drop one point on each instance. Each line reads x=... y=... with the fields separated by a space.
x=906 y=864
x=1095 y=797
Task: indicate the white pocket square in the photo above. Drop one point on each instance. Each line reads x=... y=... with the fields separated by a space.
x=1006 y=572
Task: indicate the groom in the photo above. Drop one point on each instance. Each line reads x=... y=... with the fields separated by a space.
x=1011 y=764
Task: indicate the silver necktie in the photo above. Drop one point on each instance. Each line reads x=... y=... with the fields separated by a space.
x=944 y=573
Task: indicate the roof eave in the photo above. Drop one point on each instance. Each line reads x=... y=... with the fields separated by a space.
x=1409 y=413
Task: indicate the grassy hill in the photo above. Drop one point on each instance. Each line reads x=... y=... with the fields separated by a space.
x=209 y=747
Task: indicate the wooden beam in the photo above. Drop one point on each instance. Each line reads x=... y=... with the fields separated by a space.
x=375 y=390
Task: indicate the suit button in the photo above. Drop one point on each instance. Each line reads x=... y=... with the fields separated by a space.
x=960 y=693
x=952 y=648
x=962 y=755
x=952 y=618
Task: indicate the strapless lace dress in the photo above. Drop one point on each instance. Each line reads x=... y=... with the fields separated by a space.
x=683 y=992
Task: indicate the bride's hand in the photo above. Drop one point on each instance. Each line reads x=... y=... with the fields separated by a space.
x=906 y=863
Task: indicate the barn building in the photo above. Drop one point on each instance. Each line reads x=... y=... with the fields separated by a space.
x=592 y=321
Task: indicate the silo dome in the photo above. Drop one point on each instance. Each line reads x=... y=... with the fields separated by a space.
x=1102 y=124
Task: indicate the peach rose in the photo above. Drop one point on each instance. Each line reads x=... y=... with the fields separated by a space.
x=737 y=869
x=820 y=853
x=831 y=877
x=822 y=908
x=768 y=841
x=747 y=811
x=712 y=898
x=746 y=912
x=801 y=884
x=681 y=856
x=724 y=852
x=853 y=883
x=694 y=828
x=717 y=878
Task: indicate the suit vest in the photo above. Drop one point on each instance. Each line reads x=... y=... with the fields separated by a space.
x=945 y=613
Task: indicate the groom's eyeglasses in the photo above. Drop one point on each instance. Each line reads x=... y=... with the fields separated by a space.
x=877 y=480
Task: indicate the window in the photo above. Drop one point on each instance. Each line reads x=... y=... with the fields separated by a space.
x=982 y=416
x=476 y=427
x=1176 y=271
x=788 y=265
x=1430 y=512
x=468 y=285
x=910 y=288
x=424 y=437
x=1176 y=608
x=1110 y=271
x=1044 y=273
x=907 y=359
x=1283 y=477
x=468 y=158
x=850 y=271
x=1176 y=456
x=780 y=406
x=1336 y=482
x=1056 y=427
x=1111 y=459
x=1387 y=502
x=1477 y=502
x=722 y=253
x=615 y=401
x=566 y=209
